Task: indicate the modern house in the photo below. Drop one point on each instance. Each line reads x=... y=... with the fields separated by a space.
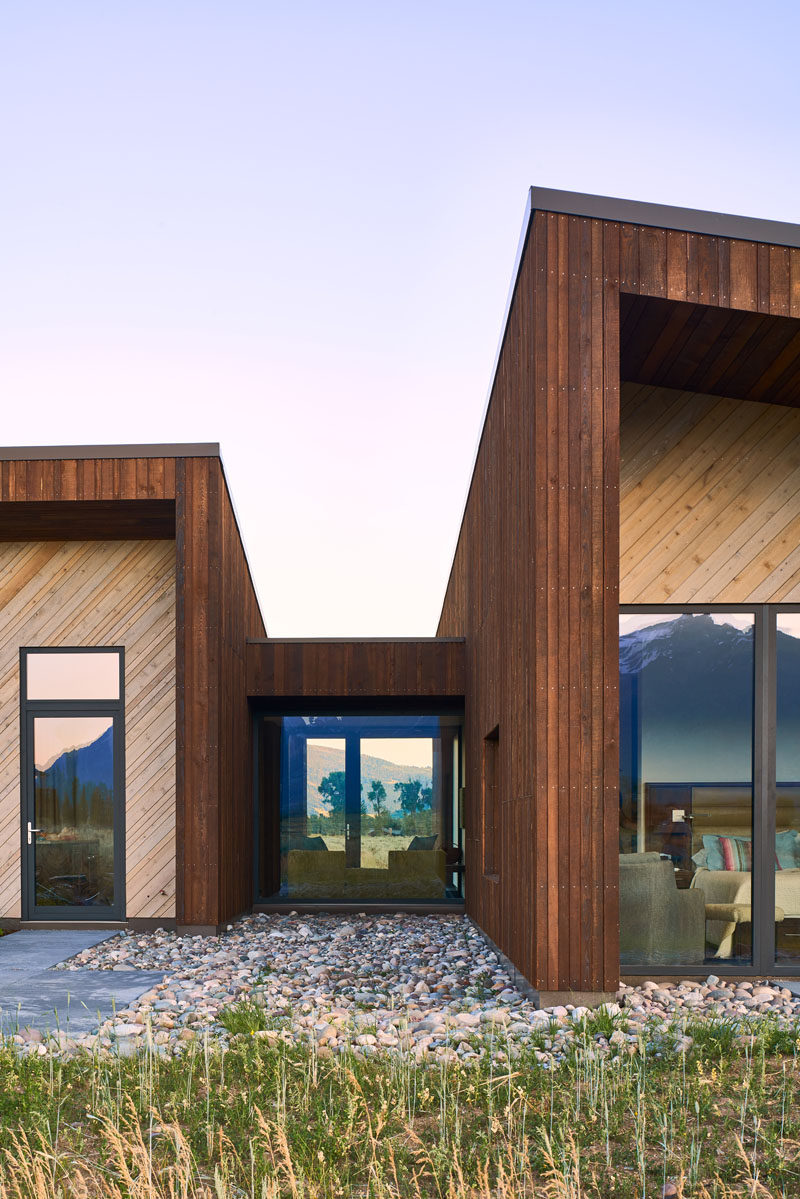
x=598 y=757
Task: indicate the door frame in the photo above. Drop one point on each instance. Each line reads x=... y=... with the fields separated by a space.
x=29 y=710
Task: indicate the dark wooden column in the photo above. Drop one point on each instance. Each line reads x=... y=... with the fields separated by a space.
x=197 y=729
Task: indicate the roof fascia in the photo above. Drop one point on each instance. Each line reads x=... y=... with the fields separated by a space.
x=665 y=216
x=68 y=453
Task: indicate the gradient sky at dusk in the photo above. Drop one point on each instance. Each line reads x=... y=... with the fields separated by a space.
x=291 y=228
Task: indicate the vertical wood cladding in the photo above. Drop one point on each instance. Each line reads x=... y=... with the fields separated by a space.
x=216 y=610
x=534 y=586
x=346 y=669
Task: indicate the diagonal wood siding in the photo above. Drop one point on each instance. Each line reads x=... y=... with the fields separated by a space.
x=709 y=499
x=99 y=593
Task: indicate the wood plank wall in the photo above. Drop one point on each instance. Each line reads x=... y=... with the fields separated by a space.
x=346 y=669
x=709 y=499
x=534 y=586
x=68 y=593
x=88 y=479
x=216 y=609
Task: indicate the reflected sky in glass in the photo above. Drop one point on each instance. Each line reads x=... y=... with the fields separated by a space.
x=73 y=676
x=55 y=735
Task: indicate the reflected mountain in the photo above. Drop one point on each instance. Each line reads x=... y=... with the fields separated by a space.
x=91 y=765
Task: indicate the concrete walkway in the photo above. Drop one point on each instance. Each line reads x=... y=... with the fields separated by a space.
x=33 y=995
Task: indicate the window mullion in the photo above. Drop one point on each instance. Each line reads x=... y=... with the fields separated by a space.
x=764 y=793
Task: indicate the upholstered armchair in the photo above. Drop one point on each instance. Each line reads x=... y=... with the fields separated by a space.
x=658 y=924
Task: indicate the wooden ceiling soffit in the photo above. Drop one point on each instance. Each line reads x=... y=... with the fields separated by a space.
x=87 y=520
x=715 y=351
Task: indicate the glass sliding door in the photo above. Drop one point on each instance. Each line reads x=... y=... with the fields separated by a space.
x=686 y=787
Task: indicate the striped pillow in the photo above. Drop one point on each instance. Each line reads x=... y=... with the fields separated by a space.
x=729 y=853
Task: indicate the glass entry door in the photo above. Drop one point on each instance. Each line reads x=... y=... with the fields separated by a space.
x=70 y=831
x=73 y=785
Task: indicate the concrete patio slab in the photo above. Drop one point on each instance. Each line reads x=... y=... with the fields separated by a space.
x=38 y=949
x=34 y=995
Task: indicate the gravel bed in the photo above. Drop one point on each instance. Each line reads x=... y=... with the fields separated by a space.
x=425 y=985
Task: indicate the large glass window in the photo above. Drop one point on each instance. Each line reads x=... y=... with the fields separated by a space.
x=686 y=787
x=359 y=807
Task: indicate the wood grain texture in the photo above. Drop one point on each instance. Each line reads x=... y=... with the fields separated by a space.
x=345 y=669
x=750 y=355
x=88 y=479
x=534 y=586
x=97 y=520
x=709 y=499
x=217 y=610
x=99 y=593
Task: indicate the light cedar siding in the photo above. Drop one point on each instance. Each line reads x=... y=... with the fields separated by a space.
x=709 y=499
x=182 y=498
x=534 y=586
x=85 y=594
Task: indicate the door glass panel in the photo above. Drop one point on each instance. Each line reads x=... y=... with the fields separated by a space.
x=787 y=806
x=73 y=811
x=686 y=787
x=82 y=675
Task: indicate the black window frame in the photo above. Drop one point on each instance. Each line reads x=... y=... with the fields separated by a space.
x=361 y=708
x=763 y=962
x=29 y=710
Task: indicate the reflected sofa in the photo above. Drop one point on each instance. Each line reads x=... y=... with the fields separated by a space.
x=411 y=874
x=658 y=924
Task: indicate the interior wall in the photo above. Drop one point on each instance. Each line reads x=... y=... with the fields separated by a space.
x=99 y=593
x=709 y=499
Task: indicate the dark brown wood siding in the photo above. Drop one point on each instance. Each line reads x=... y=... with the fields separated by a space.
x=534 y=586
x=88 y=479
x=216 y=610
x=349 y=669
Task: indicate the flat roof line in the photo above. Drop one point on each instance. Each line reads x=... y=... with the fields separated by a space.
x=47 y=453
x=665 y=216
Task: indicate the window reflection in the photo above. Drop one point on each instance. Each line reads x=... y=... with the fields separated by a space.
x=79 y=675
x=787 y=801
x=686 y=790
x=360 y=807
x=73 y=808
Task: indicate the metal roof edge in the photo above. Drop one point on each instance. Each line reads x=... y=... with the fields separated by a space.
x=665 y=216
x=47 y=453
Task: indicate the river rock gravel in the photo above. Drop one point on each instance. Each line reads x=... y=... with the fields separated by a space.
x=427 y=985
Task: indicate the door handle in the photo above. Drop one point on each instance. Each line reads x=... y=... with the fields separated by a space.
x=31 y=831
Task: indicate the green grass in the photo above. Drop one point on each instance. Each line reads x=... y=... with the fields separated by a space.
x=270 y=1120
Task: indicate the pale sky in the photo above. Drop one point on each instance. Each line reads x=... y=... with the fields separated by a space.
x=291 y=229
